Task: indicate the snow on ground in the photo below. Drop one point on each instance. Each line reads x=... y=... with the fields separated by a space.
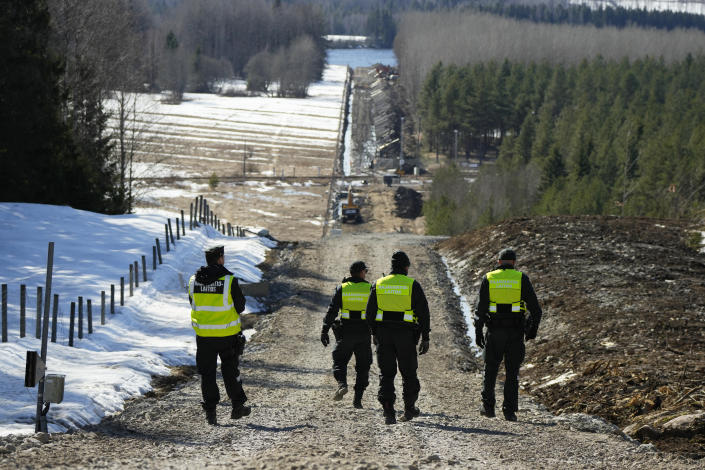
x=211 y=126
x=464 y=306
x=694 y=7
x=152 y=331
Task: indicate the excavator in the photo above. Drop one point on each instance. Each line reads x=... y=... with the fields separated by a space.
x=349 y=211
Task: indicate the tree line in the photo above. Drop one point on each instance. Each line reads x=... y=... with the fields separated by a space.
x=62 y=60
x=622 y=137
x=619 y=17
x=424 y=39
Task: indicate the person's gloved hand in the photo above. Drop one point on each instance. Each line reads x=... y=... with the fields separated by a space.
x=423 y=347
x=325 y=339
x=479 y=338
x=531 y=334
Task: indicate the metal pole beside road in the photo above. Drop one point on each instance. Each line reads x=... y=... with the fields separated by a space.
x=41 y=422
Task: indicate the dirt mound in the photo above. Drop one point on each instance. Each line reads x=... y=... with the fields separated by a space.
x=408 y=203
x=623 y=335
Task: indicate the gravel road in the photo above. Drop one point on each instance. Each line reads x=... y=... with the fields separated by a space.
x=295 y=424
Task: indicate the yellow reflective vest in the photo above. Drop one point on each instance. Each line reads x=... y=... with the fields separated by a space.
x=505 y=292
x=212 y=309
x=394 y=299
x=354 y=299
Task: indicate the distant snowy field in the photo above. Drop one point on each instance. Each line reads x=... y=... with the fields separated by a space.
x=151 y=332
x=206 y=129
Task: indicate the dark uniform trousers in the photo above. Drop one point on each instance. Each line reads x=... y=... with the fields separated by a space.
x=397 y=348
x=207 y=351
x=353 y=340
x=507 y=343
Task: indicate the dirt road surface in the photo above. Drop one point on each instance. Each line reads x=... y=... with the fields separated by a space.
x=295 y=424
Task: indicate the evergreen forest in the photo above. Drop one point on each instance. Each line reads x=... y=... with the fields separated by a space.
x=599 y=137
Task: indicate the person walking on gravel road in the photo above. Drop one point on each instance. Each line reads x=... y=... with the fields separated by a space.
x=216 y=302
x=397 y=313
x=505 y=295
x=352 y=335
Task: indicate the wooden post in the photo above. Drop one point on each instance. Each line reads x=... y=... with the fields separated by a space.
x=159 y=251
x=89 y=313
x=144 y=268
x=38 y=325
x=71 y=322
x=137 y=275
x=199 y=203
x=190 y=216
x=112 y=299
x=154 y=258
x=122 y=291
x=23 y=295
x=4 y=313
x=54 y=317
x=183 y=226
x=131 y=280
x=102 y=307
x=166 y=237
x=80 y=317
x=171 y=232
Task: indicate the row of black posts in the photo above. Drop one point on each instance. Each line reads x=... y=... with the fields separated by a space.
x=200 y=213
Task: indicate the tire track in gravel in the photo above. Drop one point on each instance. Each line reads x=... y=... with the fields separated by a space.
x=295 y=424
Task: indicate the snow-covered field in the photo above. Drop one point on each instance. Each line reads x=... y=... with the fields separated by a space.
x=207 y=130
x=151 y=332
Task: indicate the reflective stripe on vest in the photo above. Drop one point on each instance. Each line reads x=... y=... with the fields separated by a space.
x=354 y=295
x=212 y=309
x=505 y=291
x=394 y=296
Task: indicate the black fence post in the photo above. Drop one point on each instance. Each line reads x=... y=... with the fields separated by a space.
x=190 y=216
x=200 y=209
x=154 y=258
x=178 y=234
x=71 y=322
x=144 y=268
x=112 y=299
x=171 y=232
x=38 y=326
x=89 y=312
x=4 y=313
x=166 y=231
x=122 y=291
x=137 y=274
x=159 y=250
x=80 y=317
x=183 y=225
x=102 y=307
x=54 y=317
x=23 y=296
x=131 y=280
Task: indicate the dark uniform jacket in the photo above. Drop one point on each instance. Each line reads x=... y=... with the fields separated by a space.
x=483 y=317
x=336 y=304
x=213 y=272
x=419 y=305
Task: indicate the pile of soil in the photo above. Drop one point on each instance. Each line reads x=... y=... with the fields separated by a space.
x=409 y=203
x=623 y=334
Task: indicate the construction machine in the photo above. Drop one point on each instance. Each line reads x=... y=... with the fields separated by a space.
x=348 y=210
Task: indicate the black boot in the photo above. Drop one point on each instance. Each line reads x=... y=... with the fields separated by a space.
x=509 y=415
x=410 y=412
x=487 y=411
x=342 y=390
x=211 y=415
x=357 y=400
x=239 y=411
x=390 y=416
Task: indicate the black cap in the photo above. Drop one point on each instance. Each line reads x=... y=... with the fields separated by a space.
x=507 y=254
x=400 y=260
x=357 y=267
x=213 y=254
